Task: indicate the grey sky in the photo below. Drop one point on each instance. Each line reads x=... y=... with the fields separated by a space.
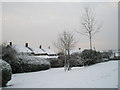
x=40 y=23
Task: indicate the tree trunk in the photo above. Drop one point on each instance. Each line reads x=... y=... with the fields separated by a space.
x=90 y=41
x=65 y=58
x=68 y=59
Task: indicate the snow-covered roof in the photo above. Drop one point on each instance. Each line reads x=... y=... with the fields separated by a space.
x=21 y=49
x=49 y=51
x=46 y=57
x=74 y=51
x=37 y=51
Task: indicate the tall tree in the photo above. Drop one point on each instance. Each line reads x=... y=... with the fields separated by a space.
x=89 y=25
x=66 y=42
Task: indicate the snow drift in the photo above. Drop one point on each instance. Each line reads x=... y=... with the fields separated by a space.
x=102 y=75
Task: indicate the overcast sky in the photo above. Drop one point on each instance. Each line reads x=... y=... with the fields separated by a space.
x=40 y=23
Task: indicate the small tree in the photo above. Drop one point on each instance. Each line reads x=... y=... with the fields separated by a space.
x=89 y=25
x=9 y=54
x=66 y=42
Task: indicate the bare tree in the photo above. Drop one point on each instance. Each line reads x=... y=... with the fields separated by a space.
x=66 y=42
x=89 y=25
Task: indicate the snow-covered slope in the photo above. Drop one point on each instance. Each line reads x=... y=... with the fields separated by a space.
x=102 y=75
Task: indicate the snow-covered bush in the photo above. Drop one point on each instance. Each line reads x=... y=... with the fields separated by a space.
x=9 y=54
x=22 y=63
x=91 y=57
x=6 y=71
x=56 y=62
x=32 y=63
x=106 y=55
x=76 y=60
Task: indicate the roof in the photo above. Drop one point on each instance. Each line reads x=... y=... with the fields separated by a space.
x=49 y=51
x=21 y=49
x=47 y=57
x=74 y=51
x=38 y=50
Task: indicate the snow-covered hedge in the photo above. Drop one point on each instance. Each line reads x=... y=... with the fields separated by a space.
x=31 y=63
x=75 y=60
x=56 y=62
x=90 y=57
x=6 y=71
x=9 y=54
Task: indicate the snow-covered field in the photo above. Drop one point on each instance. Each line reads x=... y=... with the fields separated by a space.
x=102 y=75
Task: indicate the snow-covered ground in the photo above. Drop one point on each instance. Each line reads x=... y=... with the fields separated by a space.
x=102 y=75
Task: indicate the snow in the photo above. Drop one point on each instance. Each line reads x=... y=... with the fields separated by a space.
x=74 y=51
x=22 y=49
x=49 y=51
x=102 y=75
x=38 y=51
x=4 y=65
x=46 y=57
x=117 y=54
x=34 y=60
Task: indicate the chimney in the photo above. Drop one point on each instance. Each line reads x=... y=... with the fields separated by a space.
x=10 y=43
x=26 y=44
x=40 y=47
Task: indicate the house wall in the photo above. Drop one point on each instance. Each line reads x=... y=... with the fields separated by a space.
x=117 y=54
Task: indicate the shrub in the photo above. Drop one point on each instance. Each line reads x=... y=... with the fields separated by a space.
x=91 y=57
x=56 y=62
x=75 y=60
x=9 y=54
x=22 y=63
x=6 y=72
x=106 y=55
x=31 y=63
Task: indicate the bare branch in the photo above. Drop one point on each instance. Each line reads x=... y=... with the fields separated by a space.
x=89 y=23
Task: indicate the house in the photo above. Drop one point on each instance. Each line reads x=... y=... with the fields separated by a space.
x=32 y=51
x=115 y=54
x=37 y=51
x=75 y=51
x=43 y=53
x=51 y=53
x=21 y=50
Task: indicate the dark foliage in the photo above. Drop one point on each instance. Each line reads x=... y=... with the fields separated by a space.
x=30 y=64
x=90 y=57
x=21 y=64
x=106 y=55
x=56 y=62
x=75 y=60
x=6 y=72
x=9 y=54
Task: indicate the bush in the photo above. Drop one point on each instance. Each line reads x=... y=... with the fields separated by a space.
x=106 y=55
x=31 y=63
x=23 y=63
x=90 y=57
x=56 y=62
x=6 y=72
x=9 y=54
x=75 y=60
